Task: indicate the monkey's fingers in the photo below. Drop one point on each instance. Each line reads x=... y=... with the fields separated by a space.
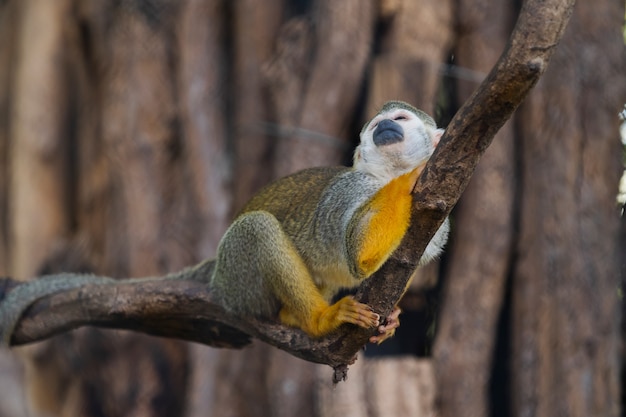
x=388 y=329
x=351 y=311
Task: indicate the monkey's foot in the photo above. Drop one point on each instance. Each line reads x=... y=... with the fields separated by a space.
x=347 y=310
x=351 y=311
x=325 y=319
x=388 y=329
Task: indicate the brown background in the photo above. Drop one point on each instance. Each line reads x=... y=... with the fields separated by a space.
x=131 y=132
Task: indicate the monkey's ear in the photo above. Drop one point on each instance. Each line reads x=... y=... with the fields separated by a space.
x=437 y=137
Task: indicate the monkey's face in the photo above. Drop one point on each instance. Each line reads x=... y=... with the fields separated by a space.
x=395 y=141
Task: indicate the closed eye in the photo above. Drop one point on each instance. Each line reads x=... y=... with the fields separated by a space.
x=401 y=117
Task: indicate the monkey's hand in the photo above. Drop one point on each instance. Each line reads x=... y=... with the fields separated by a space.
x=388 y=329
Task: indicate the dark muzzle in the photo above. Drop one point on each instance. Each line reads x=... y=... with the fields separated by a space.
x=388 y=132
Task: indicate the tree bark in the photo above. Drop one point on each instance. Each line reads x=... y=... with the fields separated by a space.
x=480 y=255
x=7 y=54
x=114 y=120
x=407 y=70
x=566 y=357
x=204 y=135
x=39 y=142
x=256 y=29
x=341 y=40
x=392 y=386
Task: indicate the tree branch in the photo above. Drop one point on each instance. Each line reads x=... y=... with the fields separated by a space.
x=184 y=309
x=177 y=308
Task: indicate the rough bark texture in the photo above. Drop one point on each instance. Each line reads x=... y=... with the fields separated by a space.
x=204 y=135
x=7 y=54
x=480 y=255
x=339 y=45
x=407 y=70
x=565 y=306
x=256 y=29
x=38 y=148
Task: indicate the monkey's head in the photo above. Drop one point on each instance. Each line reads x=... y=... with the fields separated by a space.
x=398 y=139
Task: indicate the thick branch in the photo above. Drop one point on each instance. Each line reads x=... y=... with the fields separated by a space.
x=182 y=309
x=185 y=310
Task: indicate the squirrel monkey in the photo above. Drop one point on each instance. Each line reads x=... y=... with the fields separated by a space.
x=305 y=237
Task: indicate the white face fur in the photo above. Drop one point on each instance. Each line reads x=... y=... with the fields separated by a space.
x=393 y=159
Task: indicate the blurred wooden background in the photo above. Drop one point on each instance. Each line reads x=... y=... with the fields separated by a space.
x=131 y=132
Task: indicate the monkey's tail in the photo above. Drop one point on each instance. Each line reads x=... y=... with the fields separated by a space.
x=21 y=297
x=201 y=272
x=18 y=299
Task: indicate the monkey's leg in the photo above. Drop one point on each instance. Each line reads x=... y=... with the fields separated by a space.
x=285 y=276
x=323 y=319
